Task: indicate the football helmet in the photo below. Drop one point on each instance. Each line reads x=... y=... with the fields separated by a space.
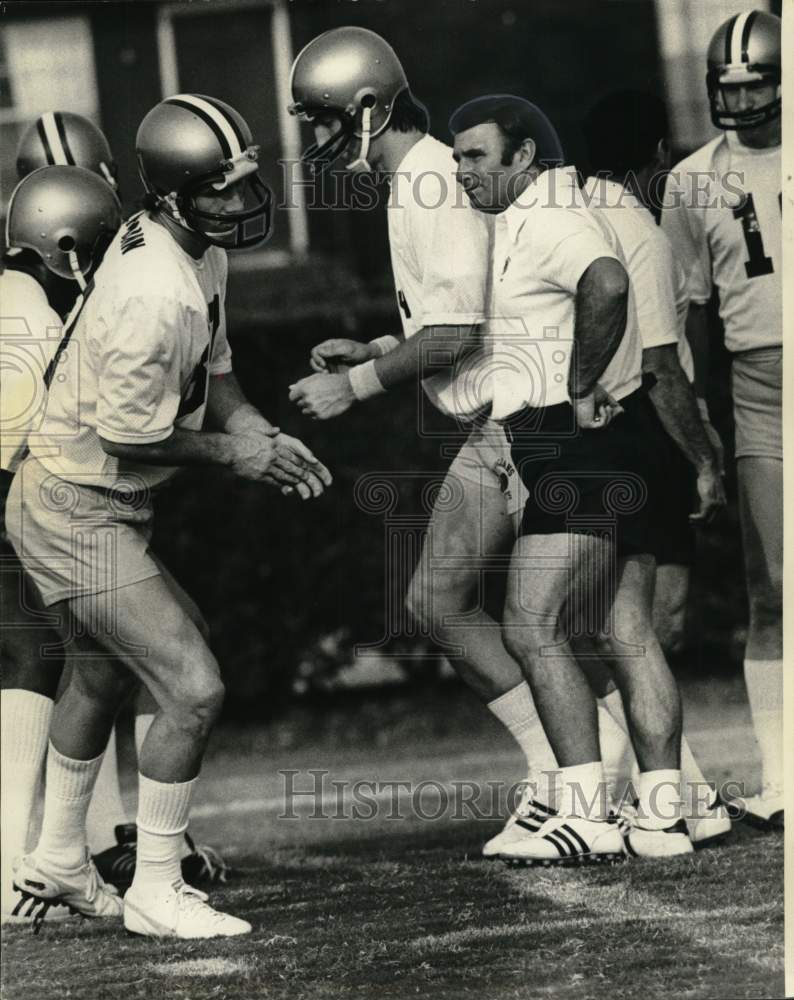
x=352 y=76
x=60 y=137
x=745 y=49
x=65 y=215
x=191 y=145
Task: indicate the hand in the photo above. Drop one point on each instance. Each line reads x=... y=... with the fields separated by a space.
x=331 y=354
x=252 y=456
x=596 y=410
x=711 y=494
x=291 y=453
x=323 y=396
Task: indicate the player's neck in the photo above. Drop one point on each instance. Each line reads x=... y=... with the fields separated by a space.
x=191 y=242
x=395 y=146
x=767 y=136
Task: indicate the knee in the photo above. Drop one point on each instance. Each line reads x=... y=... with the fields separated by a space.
x=198 y=702
x=431 y=602
x=524 y=640
x=766 y=601
x=671 y=633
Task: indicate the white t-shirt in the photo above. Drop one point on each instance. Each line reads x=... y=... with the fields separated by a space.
x=440 y=256
x=657 y=278
x=544 y=242
x=30 y=331
x=150 y=333
x=722 y=213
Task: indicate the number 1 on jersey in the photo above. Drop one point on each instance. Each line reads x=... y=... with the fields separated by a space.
x=757 y=263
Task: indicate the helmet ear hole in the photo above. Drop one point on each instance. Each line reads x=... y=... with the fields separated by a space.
x=368 y=101
x=66 y=244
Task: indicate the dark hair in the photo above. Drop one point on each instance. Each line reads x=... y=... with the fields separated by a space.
x=622 y=131
x=408 y=114
x=518 y=120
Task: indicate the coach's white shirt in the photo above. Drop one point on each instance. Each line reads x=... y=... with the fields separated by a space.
x=440 y=261
x=723 y=215
x=150 y=333
x=30 y=331
x=544 y=242
x=657 y=278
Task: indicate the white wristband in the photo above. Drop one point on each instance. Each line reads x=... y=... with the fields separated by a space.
x=704 y=410
x=385 y=344
x=364 y=381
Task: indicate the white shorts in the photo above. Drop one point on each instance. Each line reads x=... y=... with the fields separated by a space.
x=76 y=540
x=485 y=459
x=757 y=389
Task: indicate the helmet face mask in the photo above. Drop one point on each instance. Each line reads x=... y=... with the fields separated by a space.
x=321 y=155
x=230 y=230
x=744 y=71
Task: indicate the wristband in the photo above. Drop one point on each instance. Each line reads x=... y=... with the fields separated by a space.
x=704 y=410
x=364 y=381
x=385 y=344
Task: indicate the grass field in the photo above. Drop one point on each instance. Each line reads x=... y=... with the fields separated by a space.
x=404 y=907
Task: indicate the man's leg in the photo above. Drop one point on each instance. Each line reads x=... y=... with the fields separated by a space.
x=669 y=606
x=761 y=512
x=446 y=596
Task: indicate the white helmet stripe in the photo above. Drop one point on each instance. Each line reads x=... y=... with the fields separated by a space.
x=53 y=138
x=218 y=118
x=736 y=37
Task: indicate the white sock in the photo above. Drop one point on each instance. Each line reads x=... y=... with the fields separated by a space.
x=515 y=709
x=584 y=791
x=659 y=795
x=764 y=680
x=69 y=786
x=24 y=734
x=617 y=751
x=106 y=810
x=163 y=810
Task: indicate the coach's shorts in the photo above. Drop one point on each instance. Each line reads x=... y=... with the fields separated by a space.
x=757 y=389
x=485 y=459
x=589 y=481
x=75 y=540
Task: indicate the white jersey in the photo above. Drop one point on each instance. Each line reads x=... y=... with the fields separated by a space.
x=658 y=280
x=722 y=213
x=149 y=334
x=544 y=242
x=440 y=261
x=30 y=331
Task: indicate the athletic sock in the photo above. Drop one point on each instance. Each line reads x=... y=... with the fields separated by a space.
x=764 y=680
x=583 y=791
x=106 y=810
x=617 y=751
x=516 y=710
x=163 y=810
x=70 y=783
x=659 y=795
x=24 y=734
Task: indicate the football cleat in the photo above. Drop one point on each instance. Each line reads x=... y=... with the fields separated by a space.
x=764 y=810
x=177 y=911
x=81 y=890
x=116 y=865
x=713 y=824
x=640 y=842
x=567 y=841
x=528 y=817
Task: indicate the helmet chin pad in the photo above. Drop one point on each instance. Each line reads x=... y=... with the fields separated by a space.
x=240 y=230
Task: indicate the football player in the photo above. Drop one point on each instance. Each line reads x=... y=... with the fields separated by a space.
x=154 y=369
x=82 y=214
x=583 y=562
x=722 y=213
x=350 y=85
x=626 y=136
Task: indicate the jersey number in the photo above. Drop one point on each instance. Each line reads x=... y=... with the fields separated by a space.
x=757 y=263
x=195 y=392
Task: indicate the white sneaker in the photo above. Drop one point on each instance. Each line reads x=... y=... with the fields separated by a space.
x=640 y=842
x=567 y=840
x=81 y=890
x=712 y=824
x=765 y=809
x=177 y=911
x=528 y=817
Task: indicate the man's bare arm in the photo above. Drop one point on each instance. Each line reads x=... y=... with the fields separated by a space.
x=432 y=349
x=602 y=296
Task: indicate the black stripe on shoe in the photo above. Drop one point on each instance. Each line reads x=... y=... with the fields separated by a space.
x=579 y=840
x=527 y=824
x=562 y=848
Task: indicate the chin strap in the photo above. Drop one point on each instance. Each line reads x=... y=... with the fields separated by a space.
x=362 y=163
x=74 y=265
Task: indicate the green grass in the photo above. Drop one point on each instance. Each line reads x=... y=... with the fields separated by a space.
x=406 y=908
